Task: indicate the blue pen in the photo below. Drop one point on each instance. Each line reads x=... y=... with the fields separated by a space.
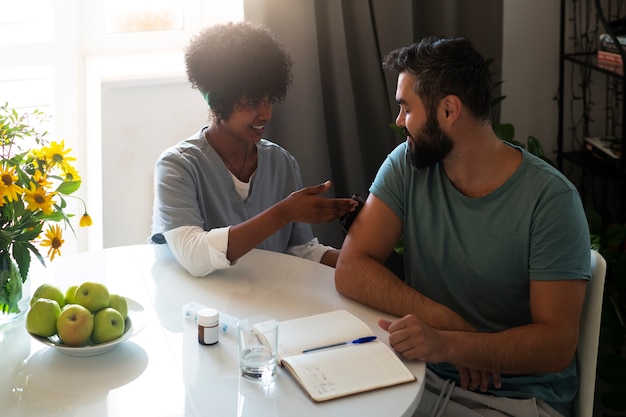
x=349 y=342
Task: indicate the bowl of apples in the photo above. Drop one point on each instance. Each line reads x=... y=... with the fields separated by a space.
x=85 y=320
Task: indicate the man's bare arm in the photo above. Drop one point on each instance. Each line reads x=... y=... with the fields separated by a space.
x=548 y=344
x=361 y=275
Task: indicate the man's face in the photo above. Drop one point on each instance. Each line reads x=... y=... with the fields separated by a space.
x=428 y=143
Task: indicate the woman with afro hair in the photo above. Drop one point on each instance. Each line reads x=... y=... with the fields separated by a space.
x=227 y=189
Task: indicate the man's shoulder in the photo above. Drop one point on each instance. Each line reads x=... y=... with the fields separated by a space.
x=540 y=171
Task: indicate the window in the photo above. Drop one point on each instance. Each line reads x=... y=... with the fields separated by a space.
x=26 y=21
x=123 y=16
x=57 y=54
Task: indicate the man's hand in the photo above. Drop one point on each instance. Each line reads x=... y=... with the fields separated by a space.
x=473 y=379
x=415 y=340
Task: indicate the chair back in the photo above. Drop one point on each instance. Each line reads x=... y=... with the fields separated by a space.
x=589 y=337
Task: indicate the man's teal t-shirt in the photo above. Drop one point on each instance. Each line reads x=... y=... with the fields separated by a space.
x=477 y=255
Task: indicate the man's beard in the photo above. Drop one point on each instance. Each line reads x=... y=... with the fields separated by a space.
x=429 y=145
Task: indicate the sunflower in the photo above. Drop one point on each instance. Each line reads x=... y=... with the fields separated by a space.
x=56 y=154
x=36 y=178
x=42 y=179
x=54 y=239
x=38 y=199
x=8 y=186
x=69 y=172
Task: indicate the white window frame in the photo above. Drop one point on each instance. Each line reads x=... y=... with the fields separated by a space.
x=83 y=58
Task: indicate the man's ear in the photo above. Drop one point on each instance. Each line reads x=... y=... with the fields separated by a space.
x=451 y=107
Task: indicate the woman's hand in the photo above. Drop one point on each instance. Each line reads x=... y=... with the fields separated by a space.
x=306 y=206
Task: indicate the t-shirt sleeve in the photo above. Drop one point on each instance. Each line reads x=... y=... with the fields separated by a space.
x=560 y=244
x=388 y=184
x=175 y=200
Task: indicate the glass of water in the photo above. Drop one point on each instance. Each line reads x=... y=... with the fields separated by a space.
x=258 y=343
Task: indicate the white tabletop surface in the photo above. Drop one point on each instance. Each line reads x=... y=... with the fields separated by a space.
x=163 y=370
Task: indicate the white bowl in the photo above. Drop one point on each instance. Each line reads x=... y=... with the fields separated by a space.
x=135 y=322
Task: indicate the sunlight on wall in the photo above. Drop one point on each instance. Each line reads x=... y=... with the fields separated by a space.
x=57 y=55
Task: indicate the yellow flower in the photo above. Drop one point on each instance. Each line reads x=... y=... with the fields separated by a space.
x=36 y=179
x=8 y=186
x=56 y=153
x=85 y=220
x=54 y=239
x=42 y=179
x=69 y=172
x=38 y=199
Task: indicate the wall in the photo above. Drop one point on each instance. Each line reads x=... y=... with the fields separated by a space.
x=139 y=121
x=530 y=52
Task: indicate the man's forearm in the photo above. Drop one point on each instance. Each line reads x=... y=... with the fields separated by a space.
x=533 y=348
x=369 y=282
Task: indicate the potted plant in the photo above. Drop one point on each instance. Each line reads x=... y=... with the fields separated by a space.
x=36 y=176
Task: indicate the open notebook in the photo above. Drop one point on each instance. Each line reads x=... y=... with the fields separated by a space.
x=342 y=370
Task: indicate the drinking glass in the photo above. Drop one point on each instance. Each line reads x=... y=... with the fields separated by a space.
x=258 y=342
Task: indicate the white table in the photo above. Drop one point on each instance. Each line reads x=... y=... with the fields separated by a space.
x=163 y=370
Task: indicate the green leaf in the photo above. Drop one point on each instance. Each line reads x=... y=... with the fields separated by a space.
x=534 y=147
x=68 y=187
x=11 y=284
x=21 y=254
x=399 y=248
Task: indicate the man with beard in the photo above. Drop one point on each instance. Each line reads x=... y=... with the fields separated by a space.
x=496 y=247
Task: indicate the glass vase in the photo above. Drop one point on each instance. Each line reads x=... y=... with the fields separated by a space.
x=14 y=290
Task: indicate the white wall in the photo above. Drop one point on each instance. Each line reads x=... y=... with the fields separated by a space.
x=530 y=65
x=139 y=121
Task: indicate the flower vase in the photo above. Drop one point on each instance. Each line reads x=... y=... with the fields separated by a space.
x=15 y=290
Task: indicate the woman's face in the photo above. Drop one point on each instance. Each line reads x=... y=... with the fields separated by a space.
x=249 y=119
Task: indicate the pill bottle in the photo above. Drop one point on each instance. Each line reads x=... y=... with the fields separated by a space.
x=208 y=326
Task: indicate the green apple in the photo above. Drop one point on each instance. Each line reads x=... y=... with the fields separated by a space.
x=75 y=324
x=70 y=295
x=93 y=295
x=50 y=292
x=42 y=316
x=108 y=324
x=119 y=303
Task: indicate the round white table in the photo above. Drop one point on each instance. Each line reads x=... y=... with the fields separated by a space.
x=163 y=370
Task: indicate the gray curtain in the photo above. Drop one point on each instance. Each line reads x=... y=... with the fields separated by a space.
x=335 y=120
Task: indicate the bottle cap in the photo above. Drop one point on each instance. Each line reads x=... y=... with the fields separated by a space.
x=208 y=316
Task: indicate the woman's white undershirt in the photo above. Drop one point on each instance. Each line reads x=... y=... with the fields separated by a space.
x=201 y=252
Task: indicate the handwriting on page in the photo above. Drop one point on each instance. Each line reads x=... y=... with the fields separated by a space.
x=319 y=381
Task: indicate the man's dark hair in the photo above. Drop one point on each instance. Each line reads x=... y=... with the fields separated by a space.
x=446 y=66
x=236 y=64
